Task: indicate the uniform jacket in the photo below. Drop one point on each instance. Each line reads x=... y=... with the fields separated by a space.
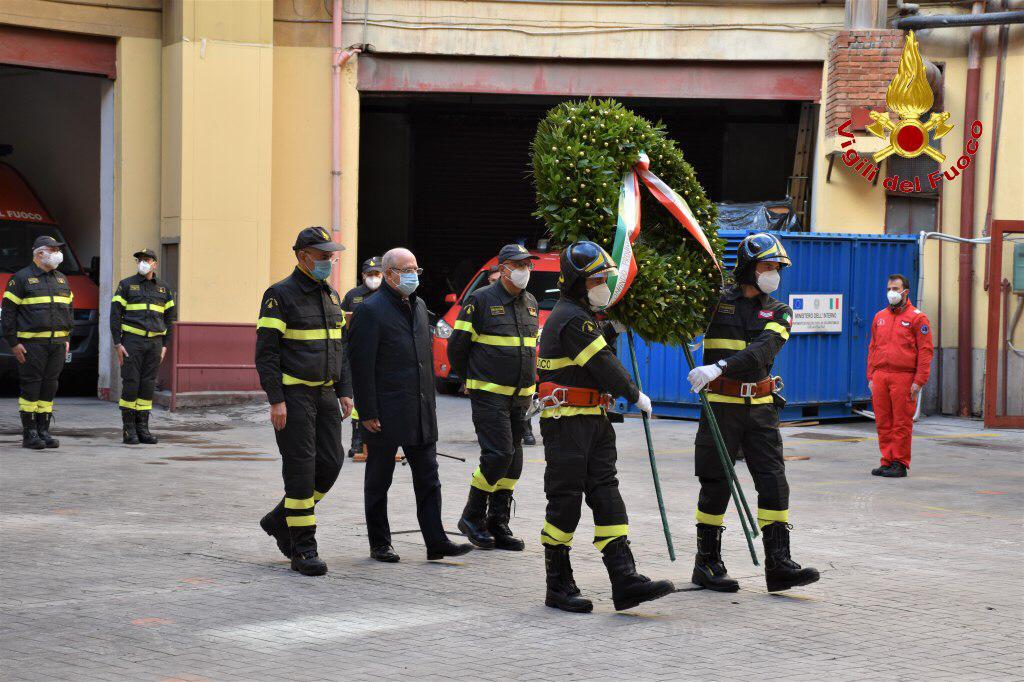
x=355 y=296
x=747 y=333
x=392 y=368
x=574 y=352
x=144 y=307
x=494 y=341
x=901 y=341
x=298 y=337
x=36 y=306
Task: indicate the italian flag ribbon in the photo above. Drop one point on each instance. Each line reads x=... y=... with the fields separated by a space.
x=627 y=229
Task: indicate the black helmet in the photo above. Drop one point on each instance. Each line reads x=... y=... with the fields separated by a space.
x=757 y=248
x=579 y=261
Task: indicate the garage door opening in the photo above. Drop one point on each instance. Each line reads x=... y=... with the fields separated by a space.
x=448 y=175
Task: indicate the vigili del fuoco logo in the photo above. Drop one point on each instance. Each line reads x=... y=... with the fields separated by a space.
x=910 y=97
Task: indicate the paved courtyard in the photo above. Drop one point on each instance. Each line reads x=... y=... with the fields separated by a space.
x=147 y=563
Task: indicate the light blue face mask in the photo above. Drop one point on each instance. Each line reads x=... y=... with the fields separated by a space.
x=321 y=269
x=407 y=282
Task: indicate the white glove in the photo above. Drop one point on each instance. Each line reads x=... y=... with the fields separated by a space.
x=644 y=404
x=618 y=327
x=700 y=377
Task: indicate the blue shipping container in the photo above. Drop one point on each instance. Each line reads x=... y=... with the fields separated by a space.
x=823 y=371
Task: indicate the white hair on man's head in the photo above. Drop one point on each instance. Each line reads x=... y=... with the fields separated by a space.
x=389 y=258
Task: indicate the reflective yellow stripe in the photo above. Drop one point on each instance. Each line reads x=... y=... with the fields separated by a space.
x=551 y=535
x=569 y=411
x=312 y=334
x=494 y=340
x=506 y=484
x=766 y=516
x=26 y=405
x=477 y=385
x=778 y=329
x=271 y=323
x=156 y=307
x=710 y=519
x=11 y=297
x=480 y=482
x=590 y=351
x=355 y=414
x=140 y=332
x=44 y=406
x=554 y=363
x=124 y=403
x=309 y=520
x=169 y=304
x=119 y=299
x=605 y=534
x=289 y=380
x=317 y=496
x=716 y=398
x=466 y=326
x=42 y=335
x=143 y=404
x=725 y=344
x=35 y=300
x=294 y=503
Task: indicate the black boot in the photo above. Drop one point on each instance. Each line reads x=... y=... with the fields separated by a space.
x=709 y=569
x=629 y=588
x=29 y=435
x=128 y=432
x=894 y=470
x=357 y=440
x=308 y=563
x=142 y=427
x=499 y=511
x=562 y=592
x=528 y=437
x=474 y=522
x=780 y=571
x=43 y=428
x=274 y=525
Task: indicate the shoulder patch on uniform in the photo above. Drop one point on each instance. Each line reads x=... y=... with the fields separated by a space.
x=161 y=290
x=33 y=280
x=60 y=280
x=766 y=314
x=727 y=308
x=532 y=311
x=133 y=287
x=589 y=327
x=469 y=309
x=334 y=298
x=924 y=329
x=497 y=310
x=271 y=302
x=357 y=299
x=785 y=317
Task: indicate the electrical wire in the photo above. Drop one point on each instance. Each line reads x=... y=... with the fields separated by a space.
x=105 y=5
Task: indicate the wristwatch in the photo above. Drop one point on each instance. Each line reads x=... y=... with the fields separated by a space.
x=721 y=364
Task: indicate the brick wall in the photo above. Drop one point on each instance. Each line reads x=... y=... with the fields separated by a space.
x=860 y=65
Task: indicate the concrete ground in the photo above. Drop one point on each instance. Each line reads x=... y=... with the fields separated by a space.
x=147 y=563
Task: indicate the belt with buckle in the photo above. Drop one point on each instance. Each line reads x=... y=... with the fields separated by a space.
x=746 y=389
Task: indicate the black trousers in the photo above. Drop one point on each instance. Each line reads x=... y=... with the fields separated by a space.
x=38 y=375
x=755 y=430
x=380 y=470
x=138 y=373
x=499 y=423
x=579 y=455
x=311 y=457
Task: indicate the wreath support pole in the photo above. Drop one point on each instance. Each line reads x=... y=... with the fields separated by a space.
x=650 y=455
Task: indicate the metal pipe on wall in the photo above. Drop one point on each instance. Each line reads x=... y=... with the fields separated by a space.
x=339 y=57
x=953 y=20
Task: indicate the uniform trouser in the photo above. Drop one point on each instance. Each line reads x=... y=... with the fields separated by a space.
x=39 y=374
x=499 y=422
x=579 y=455
x=311 y=457
x=894 y=415
x=380 y=469
x=755 y=430
x=138 y=373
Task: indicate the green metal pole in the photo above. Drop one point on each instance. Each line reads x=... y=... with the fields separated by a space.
x=750 y=530
x=650 y=454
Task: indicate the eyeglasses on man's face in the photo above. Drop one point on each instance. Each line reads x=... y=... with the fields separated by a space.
x=408 y=271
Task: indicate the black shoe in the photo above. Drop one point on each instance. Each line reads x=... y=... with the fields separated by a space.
x=499 y=511
x=528 y=437
x=474 y=522
x=880 y=470
x=562 y=592
x=43 y=420
x=895 y=470
x=129 y=435
x=308 y=563
x=142 y=427
x=709 y=570
x=357 y=441
x=274 y=525
x=29 y=435
x=385 y=554
x=629 y=588
x=780 y=571
x=449 y=548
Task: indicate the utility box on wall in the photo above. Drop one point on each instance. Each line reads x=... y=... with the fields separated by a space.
x=835 y=287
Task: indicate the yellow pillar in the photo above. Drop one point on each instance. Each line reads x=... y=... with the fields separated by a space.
x=216 y=166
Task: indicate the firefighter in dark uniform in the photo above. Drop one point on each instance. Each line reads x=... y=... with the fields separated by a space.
x=373 y=274
x=36 y=321
x=302 y=367
x=579 y=376
x=142 y=314
x=494 y=346
x=747 y=331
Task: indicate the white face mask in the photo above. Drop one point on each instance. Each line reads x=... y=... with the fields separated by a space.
x=144 y=267
x=372 y=283
x=768 y=282
x=52 y=259
x=894 y=297
x=520 y=277
x=599 y=295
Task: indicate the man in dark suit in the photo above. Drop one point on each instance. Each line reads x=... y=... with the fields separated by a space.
x=393 y=382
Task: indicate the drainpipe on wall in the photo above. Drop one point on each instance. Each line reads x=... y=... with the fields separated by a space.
x=339 y=57
x=965 y=335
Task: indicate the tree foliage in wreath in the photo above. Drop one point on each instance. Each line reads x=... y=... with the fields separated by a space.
x=580 y=153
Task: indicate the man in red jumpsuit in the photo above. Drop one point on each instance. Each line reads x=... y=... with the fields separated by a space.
x=899 y=359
